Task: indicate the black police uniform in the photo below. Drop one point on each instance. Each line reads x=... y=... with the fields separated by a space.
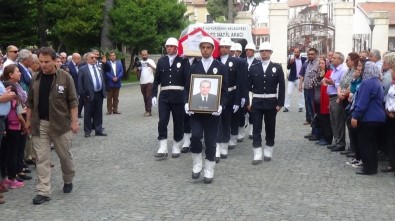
x=207 y=123
x=170 y=99
x=187 y=66
x=229 y=123
x=265 y=84
x=246 y=94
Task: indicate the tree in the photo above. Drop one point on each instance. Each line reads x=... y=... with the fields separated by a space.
x=144 y=24
x=75 y=24
x=17 y=23
x=105 y=40
x=218 y=9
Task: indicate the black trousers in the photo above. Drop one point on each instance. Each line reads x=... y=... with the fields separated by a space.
x=368 y=135
x=20 y=155
x=206 y=124
x=80 y=104
x=187 y=124
x=229 y=124
x=177 y=112
x=353 y=135
x=326 y=129
x=8 y=154
x=94 y=110
x=269 y=117
x=390 y=130
x=242 y=112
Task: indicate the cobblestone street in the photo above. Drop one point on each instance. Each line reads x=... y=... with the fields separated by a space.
x=117 y=178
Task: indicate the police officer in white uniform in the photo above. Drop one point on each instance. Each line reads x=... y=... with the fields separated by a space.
x=264 y=78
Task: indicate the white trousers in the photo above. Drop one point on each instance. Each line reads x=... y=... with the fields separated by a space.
x=290 y=89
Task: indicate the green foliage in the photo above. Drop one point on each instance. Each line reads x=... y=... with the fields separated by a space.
x=217 y=9
x=17 y=23
x=76 y=23
x=146 y=24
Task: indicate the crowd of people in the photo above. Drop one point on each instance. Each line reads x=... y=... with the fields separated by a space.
x=211 y=100
x=353 y=93
x=42 y=95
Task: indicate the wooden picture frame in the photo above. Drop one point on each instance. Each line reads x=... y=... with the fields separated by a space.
x=205 y=93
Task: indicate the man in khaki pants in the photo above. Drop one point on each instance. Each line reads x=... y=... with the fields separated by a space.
x=52 y=110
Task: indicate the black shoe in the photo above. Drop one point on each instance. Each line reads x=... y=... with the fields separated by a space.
x=223 y=156
x=19 y=179
x=240 y=140
x=208 y=180
x=217 y=159
x=24 y=177
x=27 y=171
x=386 y=170
x=351 y=155
x=101 y=134
x=250 y=137
x=185 y=150
x=285 y=110
x=161 y=156
x=40 y=199
x=30 y=162
x=195 y=175
x=308 y=136
x=231 y=147
x=87 y=135
x=330 y=147
x=362 y=172
x=338 y=148
x=79 y=116
x=67 y=188
x=300 y=109
x=314 y=138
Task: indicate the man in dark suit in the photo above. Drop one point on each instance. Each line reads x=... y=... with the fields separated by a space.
x=114 y=73
x=205 y=123
x=204 y=100
x=73 y=70
x=264 y=79
x=294 y=66
x=92 y=89
x=25 y=61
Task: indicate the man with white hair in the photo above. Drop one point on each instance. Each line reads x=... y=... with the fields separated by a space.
x=25 y=61
x=171 y=76
x=264 y=79
x=375 y=56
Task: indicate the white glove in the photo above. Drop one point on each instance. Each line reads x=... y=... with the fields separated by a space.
x=219 y=111
x=243 y=101
x=235 y=108
x=186 y=107
x=154 y=102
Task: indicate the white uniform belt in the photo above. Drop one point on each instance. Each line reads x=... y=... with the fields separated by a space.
x=171 y=87
x=231 y=88
x=264 y=95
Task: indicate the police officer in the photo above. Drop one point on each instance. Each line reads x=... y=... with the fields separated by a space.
x=170 y=75
x=228 y=129
x=206 y=123
x=188 y=62
x=244 y=117
x=264 y=78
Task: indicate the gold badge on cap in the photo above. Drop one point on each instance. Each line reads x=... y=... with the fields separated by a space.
x=215 y=70
x=230 y=64
x=274 y=70
x=178 y=65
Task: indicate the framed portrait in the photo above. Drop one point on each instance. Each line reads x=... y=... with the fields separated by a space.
x=205 y=93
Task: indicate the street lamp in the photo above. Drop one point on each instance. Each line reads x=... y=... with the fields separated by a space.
x=371 y=25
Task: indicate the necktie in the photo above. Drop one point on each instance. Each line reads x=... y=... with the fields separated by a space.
x=98 y=85
x=205 y=99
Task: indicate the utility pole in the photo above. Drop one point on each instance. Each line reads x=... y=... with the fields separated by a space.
x=230 y=11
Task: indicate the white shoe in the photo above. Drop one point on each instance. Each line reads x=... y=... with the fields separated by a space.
x=223 y=148
x=232 y=142
x=257 y=155
x=162 y=152
x=209 y=167
x=267 y=153
x=241 y=134
x=187 y=140
x=176 y=149
x=217 y=152
x=197 y=165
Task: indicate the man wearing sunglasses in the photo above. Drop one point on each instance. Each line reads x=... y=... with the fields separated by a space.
x=12 y=54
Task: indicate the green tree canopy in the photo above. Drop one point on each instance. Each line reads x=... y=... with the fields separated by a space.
x=146 y=24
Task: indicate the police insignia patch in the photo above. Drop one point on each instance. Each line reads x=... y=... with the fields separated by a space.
x=230 y=64
x=274 y=70
x=215 y=70
x=178 y=65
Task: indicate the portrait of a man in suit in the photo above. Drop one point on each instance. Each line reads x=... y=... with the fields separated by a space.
x=204 y=100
